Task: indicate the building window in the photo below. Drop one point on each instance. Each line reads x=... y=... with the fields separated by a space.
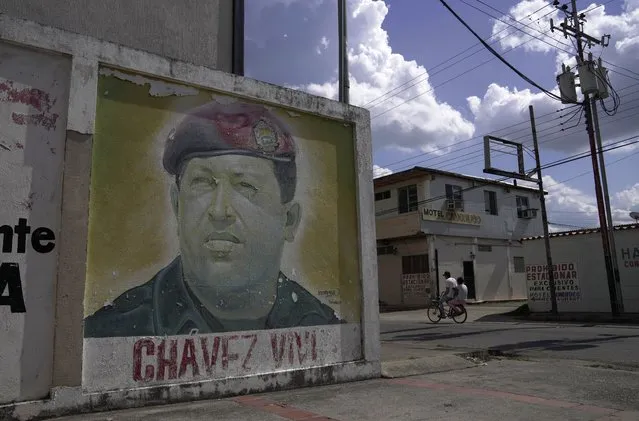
x=522 y=206
x=481 y=247
x=490 y=202
x=382 y=195
x=407 y=199
x=518 y=262
x=386 y=249
x=454 y=197
x=415 y=264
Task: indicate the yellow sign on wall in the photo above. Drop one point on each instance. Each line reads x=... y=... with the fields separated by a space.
x=454 y=217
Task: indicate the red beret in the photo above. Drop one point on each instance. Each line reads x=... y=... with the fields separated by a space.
x=219 y=129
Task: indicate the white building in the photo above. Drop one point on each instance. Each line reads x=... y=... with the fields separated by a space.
x=431 y=221
x=580 y=271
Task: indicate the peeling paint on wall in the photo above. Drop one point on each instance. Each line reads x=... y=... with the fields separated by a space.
x=157 y=88
x=35 y=98
x=33 y=106
x=170 y=256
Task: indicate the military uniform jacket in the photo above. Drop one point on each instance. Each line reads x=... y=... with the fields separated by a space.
x=164 y=306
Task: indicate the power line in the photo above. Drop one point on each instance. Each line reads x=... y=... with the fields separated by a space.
x=441 y=84
x=447 y=60
x=575 y=157
x=475 y=151
x=469 y=139
x=479 y=153
x=496 y=54
x=496 y=131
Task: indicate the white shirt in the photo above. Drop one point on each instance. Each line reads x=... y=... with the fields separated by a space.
x=450 y=284
x=463 y=292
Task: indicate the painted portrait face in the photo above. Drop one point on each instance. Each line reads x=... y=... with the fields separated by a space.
x=232 y=223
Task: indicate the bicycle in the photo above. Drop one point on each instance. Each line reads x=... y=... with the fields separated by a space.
x=434 y=315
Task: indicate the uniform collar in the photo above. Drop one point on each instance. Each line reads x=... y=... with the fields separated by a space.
x=178 y=312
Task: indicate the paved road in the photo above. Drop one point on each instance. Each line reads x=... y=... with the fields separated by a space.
x=612 y=344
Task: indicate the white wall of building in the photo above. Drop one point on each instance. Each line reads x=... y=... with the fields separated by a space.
x=494 y=276
x=388 y=208
x=590 y=286
x=34 y=92
x=504 y=225
x=392 y=291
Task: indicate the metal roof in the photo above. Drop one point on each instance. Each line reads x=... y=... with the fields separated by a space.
x=584 y=231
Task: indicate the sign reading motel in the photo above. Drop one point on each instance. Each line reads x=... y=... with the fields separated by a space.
x=450 y=216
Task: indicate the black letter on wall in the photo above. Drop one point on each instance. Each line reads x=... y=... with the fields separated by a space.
x=10 y=279
x=42 y=234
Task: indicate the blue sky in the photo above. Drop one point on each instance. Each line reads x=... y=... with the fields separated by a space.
x=442 y=109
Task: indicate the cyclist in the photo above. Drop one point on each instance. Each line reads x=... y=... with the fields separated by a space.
x=460 y=296
x=448 y=294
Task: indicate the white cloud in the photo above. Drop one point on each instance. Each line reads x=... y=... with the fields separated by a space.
x=502 y=106
x=629 y=198
x=323 y=45
x=374 y=70
x=510 y=37
x=569 y=205
x=380 y=171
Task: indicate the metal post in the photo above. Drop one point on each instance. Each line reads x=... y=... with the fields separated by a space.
x=342 y=16
x=544 y=216
x=437 y=270
x=237 y=66
x=595 y=170
x=611 y=229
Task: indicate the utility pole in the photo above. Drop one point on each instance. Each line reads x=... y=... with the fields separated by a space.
x=588 y=83
x=544 y=216
x=611 y=229
x=342 y=16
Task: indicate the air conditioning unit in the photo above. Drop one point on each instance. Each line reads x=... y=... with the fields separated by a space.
x=450 y=205
x=528 y=213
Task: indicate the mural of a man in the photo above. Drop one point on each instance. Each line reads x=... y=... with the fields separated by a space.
x=235 y=179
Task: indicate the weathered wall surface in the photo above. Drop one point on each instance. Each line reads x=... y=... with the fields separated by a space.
x=194 y=260
x=229 y=247
x=580 y=274
x=195 y=31
x=505 y=225
x=413 y=288
x=34 y=89
x=495 y=275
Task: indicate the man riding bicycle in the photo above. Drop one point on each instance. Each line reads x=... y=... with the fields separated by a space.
x=449 y=293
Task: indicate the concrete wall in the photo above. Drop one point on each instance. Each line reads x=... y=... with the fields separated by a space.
x=110 y=350
x=495 y=278
x=504 y=225
x=412 y=291
x=195 y=31
x=34 y=91
x=387 y=208
x=581 y=278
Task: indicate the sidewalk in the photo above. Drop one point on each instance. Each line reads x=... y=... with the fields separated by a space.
x=458 y=387
x=496 y=389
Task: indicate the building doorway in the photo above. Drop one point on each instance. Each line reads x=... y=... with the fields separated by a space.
x=469 y=279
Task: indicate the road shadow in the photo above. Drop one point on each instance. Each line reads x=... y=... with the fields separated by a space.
x=535 y=345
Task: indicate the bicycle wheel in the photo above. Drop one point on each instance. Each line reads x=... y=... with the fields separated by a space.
x=433 y=313
x=461 y=316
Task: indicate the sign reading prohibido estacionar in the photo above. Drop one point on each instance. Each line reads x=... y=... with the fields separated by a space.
x=216 y=225
x=566 y=282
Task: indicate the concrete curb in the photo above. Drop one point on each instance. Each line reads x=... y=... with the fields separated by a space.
x=424 y=365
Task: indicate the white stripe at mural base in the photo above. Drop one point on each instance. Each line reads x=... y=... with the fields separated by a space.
x=134 y=362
